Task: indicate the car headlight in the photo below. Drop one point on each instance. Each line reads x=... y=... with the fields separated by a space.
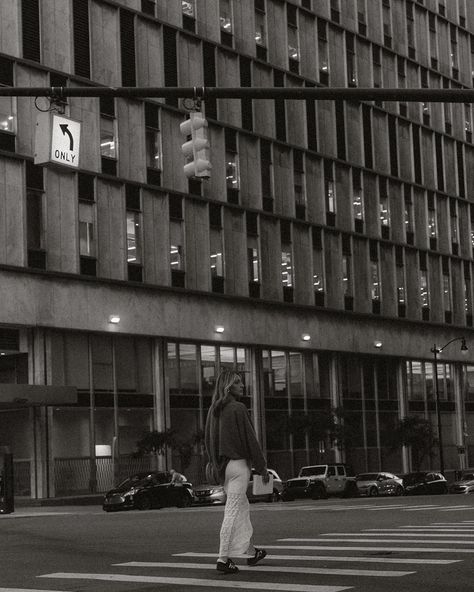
x=218 y=490
x=131 y=492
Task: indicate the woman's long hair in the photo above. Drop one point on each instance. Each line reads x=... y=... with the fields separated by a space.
x=222 y=395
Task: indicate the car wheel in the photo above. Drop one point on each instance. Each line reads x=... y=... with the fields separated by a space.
x=143 y=503
x=318 y=492
x=373 y=492
x=399 y=490
x=273 y=497
x=184 y=501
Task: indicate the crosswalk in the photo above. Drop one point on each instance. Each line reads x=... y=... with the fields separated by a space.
x=292 y=564
x=369 y=507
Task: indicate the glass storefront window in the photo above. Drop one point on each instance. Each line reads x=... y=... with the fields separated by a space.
x=7 y=115
x=208 y=369
x=188 y=368
x=296 y=375
x=279 y=373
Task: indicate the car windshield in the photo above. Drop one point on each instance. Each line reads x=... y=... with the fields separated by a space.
x=367 y=477
x=317 y=470
x=467 y=477
x=141 y=479
x=414 y=478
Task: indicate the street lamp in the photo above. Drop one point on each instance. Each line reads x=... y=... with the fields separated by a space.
x=436 y=351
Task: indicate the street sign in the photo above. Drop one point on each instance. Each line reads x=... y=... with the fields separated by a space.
x=57 y=140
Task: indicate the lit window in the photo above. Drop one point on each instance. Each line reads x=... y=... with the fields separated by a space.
x=375 y=280
x=384 y=211
x=153 y=149
x=358 y=204
x=346 y=275
x=401 y=286
x=7 y=115
x=86 y=230
x=189 y=8
x=216 y=254
x=176 y=245
x=286 y=269
x=260 y=34
x=225 y=16
x=424 y=292
x=108 y=138
x=232 y=173
x=432 y=225
x=253 y=264
x=133 y=238
x=318 y=271
x=447 y=296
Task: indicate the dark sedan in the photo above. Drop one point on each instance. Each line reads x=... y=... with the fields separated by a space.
x=424 y=482
x=147 y=490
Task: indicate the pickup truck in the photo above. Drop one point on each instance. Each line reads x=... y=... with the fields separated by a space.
x=321 y=481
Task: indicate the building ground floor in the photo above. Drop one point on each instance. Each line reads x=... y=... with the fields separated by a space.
x=78 y=392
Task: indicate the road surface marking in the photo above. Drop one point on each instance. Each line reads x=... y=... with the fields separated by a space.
x=368 y=540
x=419 y=529
x=273 y=586
x=404 y=534
x=26 y=590
x=334 y=558
x=274 y=569
x=377 y=548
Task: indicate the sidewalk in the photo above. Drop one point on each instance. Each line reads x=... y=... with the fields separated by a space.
x=75 y=500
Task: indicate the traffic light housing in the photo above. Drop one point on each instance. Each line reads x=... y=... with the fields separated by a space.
x=196 y=150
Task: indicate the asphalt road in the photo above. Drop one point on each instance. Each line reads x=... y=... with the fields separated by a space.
x=403 y=544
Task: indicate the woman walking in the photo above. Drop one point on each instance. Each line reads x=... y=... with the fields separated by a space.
x=233 y=449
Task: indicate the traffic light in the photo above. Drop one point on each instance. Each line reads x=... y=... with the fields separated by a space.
x=196 y=150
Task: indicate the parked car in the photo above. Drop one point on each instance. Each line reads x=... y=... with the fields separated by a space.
x=146 y=490
x=423 y=482
x=215 y=494
x=464 y=485
x=320 y=481
x=374 y=484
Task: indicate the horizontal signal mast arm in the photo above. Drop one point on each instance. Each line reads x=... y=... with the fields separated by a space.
x=430 y=95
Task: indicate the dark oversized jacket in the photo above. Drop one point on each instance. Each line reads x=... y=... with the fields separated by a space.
x=231 y=436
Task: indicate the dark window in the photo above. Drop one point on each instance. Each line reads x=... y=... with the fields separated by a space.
x=170 y=62
x=367 y=127
x=127 y=48
x=135 y=272
x=280 y=113
x=178 y=278
x=439 y=161
x=340 y=130
x=85 y=187
x=417 y=153
x=176 y=207
x=215 y=215
x=317 y=237
x=461 y=178
x=107 y=106
x=88 y=266
x=34 y=176
x=152 y=116
x=209 y=57
x=266 y=170
x=285 y=231
x=30 y=29
x=148 y=7
x=246 y=104
x=393 y=145
x=252 y=223
x=311 y=129
x=132 y=197
x=6 y=72
x=80 y=16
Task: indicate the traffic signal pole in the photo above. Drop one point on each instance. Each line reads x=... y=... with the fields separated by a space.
x=423 y=95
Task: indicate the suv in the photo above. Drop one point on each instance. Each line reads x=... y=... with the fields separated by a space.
x=320 y=481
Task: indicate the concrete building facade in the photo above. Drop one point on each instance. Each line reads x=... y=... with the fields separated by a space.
x=328 y=253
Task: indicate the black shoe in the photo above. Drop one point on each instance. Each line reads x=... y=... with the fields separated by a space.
x=228 y=567
x=259 y=555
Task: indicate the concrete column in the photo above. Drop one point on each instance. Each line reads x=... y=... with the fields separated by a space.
x=403 y=411
x=161 y=411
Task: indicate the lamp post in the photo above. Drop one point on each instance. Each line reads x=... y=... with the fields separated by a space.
x=436 y=351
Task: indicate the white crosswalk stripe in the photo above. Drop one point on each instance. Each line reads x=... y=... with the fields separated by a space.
x=27 y=590
x=275 y=569
x=274 y=586
x=443 y=538
x=340 y=558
